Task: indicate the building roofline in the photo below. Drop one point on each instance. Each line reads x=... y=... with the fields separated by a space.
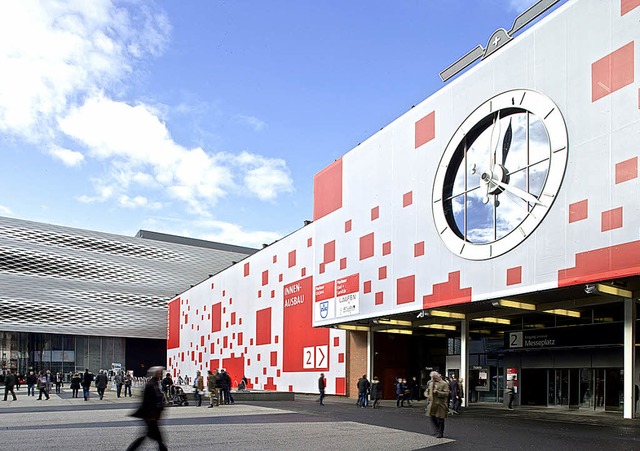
x=175 y=239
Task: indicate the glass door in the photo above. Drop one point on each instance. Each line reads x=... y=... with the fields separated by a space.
x=587 y=382
x=558 y=388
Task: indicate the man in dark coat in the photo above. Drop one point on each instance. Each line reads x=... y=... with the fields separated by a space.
x=376 y=392
x=87 y=378
x=150 y=410
x=454 y=390
x=101 y=383
x=9 y=382
x=363 y=391
x=322 y=384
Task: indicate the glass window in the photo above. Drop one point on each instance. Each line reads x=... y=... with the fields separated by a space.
x=513 y=150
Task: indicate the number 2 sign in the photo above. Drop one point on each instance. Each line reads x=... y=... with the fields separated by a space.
x=315 y=357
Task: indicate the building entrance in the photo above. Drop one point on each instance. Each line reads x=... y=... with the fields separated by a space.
x=573 y=388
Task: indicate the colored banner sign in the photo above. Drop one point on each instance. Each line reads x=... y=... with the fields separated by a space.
x=348 y=296
x=303 y=347
x=325 y=301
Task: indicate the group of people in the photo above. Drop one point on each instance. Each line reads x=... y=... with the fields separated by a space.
x=45 y=381
x=217 y=383
x=369 y=393
x=443 y=395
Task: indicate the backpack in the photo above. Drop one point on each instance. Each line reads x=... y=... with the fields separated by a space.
x=42 y=381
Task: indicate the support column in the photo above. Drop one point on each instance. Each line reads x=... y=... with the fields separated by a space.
x=629 y=356
x=464 y=359
x=370 y=367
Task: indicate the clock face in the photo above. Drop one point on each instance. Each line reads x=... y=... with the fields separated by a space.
x=499 y=174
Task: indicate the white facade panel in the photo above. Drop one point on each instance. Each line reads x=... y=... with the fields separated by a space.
x=591 y=212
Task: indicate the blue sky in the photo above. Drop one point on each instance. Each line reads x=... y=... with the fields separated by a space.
x=208 y=118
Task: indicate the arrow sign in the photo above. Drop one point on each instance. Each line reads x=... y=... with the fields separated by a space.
x=321 y=357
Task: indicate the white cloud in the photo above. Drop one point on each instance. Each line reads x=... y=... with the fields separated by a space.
x=54 y=52
x=138 y=201
x=5 y=211
x=213 y=230
x=265 y=177
x=137 y=143
x=66 y=61
x=67 y=156
x=252 y=121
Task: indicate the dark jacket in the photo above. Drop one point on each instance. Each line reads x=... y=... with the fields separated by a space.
x=101 y=381
x=75 y=382
x=152 y=402
x=87 y=378
x=322 y=383
x=10 y=380
x=376 y=390
x=363 y=384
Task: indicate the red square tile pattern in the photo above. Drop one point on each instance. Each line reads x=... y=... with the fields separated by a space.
x=627 y=170
x=327 y=190
x=366 y=246
x=447 y=293
x=514 y=275
x=418 y=249
x=263 y=326
x=611 y=219
x=628 y=5
x=329 y=252
x=612 y=72
x=600 y=264
x=425 y=129
x=406 y=290
x=375 y=213
x=407 y=199
x=578 y=211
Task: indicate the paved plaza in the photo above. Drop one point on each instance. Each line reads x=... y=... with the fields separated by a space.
x=65 y=423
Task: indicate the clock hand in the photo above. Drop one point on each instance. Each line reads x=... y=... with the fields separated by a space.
x=494 y=140
x=506 y=144
x=527 y=197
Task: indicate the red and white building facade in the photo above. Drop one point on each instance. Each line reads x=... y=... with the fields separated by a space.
x=511 y=193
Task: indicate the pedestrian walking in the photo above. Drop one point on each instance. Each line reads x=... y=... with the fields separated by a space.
x=42 y=386
x=75 y=385
x=128 y=381
x=212 y=387
x=150 y=410
x=87 y=378
x=198 y=385
x=376 y=392
x=454 y=390
x=509 y=394
x=226 y=387
x=363 y=391
x=437 y=395
x=58 y=380
x=32 y=381
x=119 y=381
x=9 y=383
x=101 y=383
x=322 y=384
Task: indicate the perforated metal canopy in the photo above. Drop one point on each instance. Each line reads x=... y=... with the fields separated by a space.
x=63 y=280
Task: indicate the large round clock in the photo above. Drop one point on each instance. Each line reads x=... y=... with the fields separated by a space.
x=499 y=174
